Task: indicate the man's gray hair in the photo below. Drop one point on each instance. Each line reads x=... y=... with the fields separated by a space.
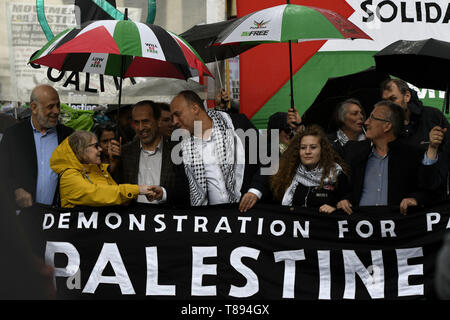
x=395 y=114
x=79 y=141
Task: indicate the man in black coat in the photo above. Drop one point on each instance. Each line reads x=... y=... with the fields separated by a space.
x=419 y=119
x=385 y=170
x=26 y=148
x=147 y=159
x=220 y=165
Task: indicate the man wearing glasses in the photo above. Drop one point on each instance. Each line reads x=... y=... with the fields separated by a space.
x=385 y=170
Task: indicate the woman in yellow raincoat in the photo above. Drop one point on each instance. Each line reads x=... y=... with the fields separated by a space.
x=84 y=180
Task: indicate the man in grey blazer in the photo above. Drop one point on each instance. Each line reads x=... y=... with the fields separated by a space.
x=147 y=159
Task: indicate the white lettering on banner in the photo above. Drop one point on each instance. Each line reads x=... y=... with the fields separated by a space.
x=272 y=228
x=372 y=276
x=323 y=257
x=199 y=269
x=243 y=221
x=223 y=225
x=289 y=257
x=366 y=223
x=405 y=270
x=198 y=225
x=342 y=228
x=108 y=222
x=387 y=226
x=432 y=218
x=153 y=288
x=388 y=21
x=73 y=259
x=49 y=220
x=110 y=253
x=161 y=223
x=139 y=224
x=260 y=225
x=91 y=223
x=374 y=283
x=252 y=285
x=180 y=222
x=304 y=231
x=64 y=219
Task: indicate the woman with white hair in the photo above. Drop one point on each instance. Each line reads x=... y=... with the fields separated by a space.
x=83 y=179
x=349 y=117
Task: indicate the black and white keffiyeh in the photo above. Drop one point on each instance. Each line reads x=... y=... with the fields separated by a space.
x=343 y=139
x=309 y=178
x=223 y=138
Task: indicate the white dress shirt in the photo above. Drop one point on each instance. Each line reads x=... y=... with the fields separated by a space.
x=150 y=171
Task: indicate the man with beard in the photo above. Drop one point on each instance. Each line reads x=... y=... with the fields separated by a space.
x=26 y=148
x=419 y=119
x=147 y=159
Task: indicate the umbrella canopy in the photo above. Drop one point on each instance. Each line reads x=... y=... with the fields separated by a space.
x=286 y=23
x=363 y=86
x=289 y=22
x=107 y=46
x=202 y=35
x=424 y=63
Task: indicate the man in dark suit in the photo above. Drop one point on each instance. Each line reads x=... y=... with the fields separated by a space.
x=219 y=165
x=26 y=148
x=386 y=170
x=147 y=159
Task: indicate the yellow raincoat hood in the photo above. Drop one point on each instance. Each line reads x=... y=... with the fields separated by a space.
x=87 y=184
x=63 y=158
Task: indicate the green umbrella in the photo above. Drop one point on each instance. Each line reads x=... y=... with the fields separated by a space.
x=286 y=23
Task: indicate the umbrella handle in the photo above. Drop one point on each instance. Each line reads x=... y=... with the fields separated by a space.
x=290 y=77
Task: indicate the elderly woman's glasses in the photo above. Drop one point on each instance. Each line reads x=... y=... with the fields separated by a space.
x=96 y=145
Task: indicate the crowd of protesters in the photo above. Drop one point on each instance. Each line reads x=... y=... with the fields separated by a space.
x=396 y=156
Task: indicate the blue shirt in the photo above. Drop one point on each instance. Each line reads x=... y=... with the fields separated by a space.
x=375 y=187
x=47 y=179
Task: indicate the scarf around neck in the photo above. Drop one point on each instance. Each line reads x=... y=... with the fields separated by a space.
x=223 y=137
x=309 y=178
x=343 y=139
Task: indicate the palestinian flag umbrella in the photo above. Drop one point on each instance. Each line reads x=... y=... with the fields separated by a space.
x=121 y=48
x=287 y=23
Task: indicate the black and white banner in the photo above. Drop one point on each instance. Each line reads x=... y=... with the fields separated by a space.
x=216 y=252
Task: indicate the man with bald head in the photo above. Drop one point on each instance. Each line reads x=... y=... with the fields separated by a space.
x=26 y=148
x=216 y=160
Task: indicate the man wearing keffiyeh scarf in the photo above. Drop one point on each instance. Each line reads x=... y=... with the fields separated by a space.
x=213 y=155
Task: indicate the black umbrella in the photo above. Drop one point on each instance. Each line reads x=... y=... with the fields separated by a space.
x=424 y=63
x=363 y=85
x=201 y=36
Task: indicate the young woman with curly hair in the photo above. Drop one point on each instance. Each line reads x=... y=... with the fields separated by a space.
x=311 y=174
